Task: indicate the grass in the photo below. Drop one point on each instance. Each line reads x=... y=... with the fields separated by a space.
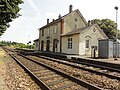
x=1 y=56
x=1 y=62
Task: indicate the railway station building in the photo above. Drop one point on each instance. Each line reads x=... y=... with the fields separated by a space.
x=70 y=34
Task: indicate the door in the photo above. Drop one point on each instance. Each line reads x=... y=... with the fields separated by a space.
x=55 y=45
x=42 y=45
x=48 y=45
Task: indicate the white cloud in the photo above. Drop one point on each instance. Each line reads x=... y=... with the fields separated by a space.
x=33 y=5
x=24 y=28
x=34 y=17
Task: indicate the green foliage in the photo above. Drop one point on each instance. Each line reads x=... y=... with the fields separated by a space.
x=108 y=26
x=8 y=11
x=16 y=45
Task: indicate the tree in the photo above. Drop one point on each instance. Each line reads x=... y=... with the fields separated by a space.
x=16 y=45
x=108 y=26
x=8 y=11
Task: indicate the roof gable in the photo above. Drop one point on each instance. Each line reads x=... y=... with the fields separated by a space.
x=101 y=31
x=79 y=30
x=63 y=17
x=79 y=13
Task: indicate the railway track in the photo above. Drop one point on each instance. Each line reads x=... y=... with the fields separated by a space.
x=111 y=73
x=100 y=70
x=49 y=78
x=104 y=82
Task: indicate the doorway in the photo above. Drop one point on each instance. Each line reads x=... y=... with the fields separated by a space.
x=55 y=46
x=42 y=45
x=48 y=45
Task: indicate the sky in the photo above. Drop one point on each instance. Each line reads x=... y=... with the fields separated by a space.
x=36 y=12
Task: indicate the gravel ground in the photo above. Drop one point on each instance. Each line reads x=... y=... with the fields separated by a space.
x=12 y=76
x=100 y=81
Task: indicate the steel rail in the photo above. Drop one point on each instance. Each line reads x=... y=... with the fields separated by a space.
x=36 y=79
x=88 y=64
x=44 y=86
x=77 y=66
x=41 y=84
x=70 y=77
x=84 y=62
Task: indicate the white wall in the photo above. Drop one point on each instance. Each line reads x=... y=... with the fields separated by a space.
x=94 y=34
x=69 y=22
x=75 y=45
x=36 y=45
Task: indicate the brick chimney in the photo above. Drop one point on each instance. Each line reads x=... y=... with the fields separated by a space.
x=59 y=16
x=89 y=22
x=47 y=21
x=70 y=8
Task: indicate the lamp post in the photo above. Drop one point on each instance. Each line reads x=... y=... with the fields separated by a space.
x=116 y=8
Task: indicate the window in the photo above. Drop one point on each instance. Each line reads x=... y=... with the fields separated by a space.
x=75 y=23
x=94 y=30
x=87 y=43
x=75 y=26
x=69 y=43
x=55 y=28
x=48 y=31
x=42 y=32
x=75 y=19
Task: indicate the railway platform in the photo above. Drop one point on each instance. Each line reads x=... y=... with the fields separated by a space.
x=107 y=60
x=110 y=62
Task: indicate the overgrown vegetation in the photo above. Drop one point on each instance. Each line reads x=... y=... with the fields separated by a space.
x=16 y=45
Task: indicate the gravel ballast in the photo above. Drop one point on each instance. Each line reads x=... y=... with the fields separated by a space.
x=12 y=76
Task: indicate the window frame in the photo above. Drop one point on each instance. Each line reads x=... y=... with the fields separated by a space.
x=42 y=32
x=48 y=31
x=76 y=23
x=55 y=29
x=75 y=26
x=70 y=43
x=87 y=43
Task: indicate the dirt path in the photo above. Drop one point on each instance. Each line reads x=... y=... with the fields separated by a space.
x=3 y=85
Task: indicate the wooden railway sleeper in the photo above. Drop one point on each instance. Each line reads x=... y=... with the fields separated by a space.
x=54 y=82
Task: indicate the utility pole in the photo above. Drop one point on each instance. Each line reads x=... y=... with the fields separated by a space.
x=116 y=47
